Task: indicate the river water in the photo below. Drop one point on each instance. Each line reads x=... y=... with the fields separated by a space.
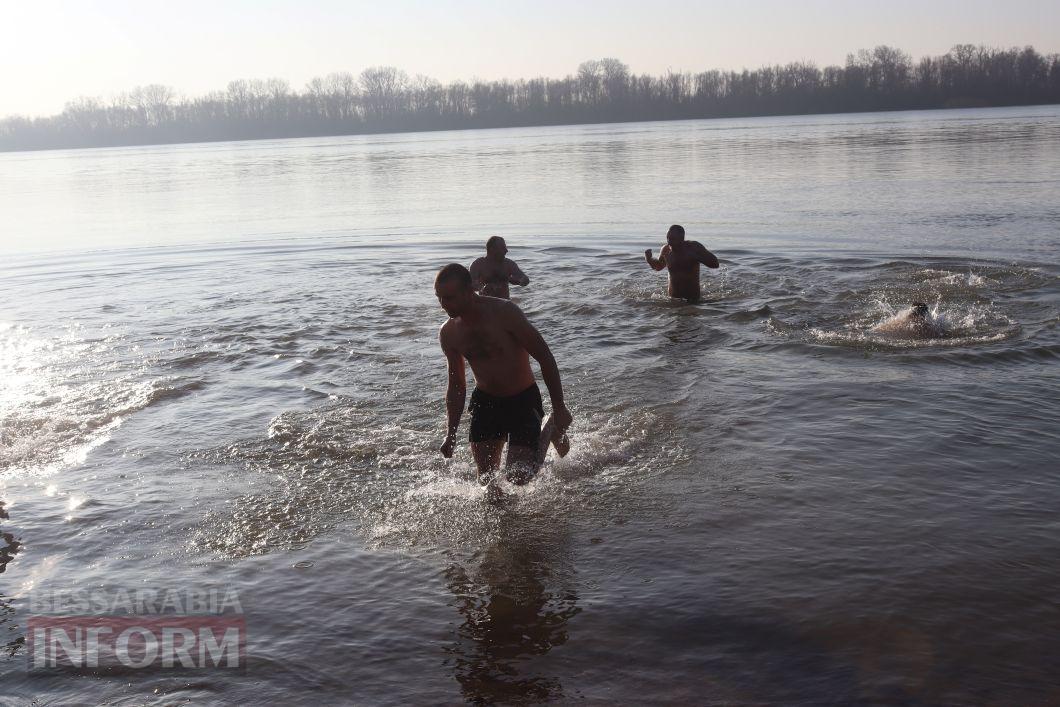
x=220 y=369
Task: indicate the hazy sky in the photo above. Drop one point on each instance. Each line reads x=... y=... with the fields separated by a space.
x=51 y=52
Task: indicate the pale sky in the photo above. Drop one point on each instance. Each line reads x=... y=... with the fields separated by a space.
x=52 y=52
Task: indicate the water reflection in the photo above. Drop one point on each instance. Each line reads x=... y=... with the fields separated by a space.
x=689 y=335
x=515 y=610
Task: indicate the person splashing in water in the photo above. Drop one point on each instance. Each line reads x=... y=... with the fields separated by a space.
x=682 y=258
x=495 y=337
x=915 y=322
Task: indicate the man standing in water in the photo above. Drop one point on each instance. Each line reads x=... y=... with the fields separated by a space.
x=497 y=340
x=682 y=258
x=491 y=275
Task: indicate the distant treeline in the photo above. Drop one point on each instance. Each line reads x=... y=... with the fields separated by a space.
x=385 y=99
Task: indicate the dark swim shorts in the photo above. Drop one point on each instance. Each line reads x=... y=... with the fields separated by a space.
x=516 y=418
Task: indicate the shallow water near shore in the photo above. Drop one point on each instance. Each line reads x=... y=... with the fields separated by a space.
x=768 y=500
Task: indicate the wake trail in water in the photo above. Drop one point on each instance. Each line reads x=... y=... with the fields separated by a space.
x=966 y=309
x=339 y=465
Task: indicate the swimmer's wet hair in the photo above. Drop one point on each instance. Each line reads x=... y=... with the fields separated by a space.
x=493 y=240
x=677 y=230
x=920 y=309
x=453 y=271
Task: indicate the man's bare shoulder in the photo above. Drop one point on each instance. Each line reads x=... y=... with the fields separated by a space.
x=500 y=309
x=478 y=263
x=706 y=257
x=496 y=306
x=447 y=331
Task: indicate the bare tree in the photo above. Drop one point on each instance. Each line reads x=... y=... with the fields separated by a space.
x=342 y=91
x=153 y=102
x=590 y=80
x=382 y=85
x=615 y=78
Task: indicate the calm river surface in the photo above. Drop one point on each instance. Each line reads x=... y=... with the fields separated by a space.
x=220 y=368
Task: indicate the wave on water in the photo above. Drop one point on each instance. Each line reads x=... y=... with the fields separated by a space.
x=65 y=395
x=66 y=391
x=967 y=279
x=717 y=286
x=348 y=464
x=767 y=301
x=608 y=452
x=370 y=459
x=967 y=307
x=888 y=327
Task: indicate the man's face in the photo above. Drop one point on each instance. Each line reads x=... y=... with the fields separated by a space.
x=498 y=250
x=674 y=239
x=453 y=297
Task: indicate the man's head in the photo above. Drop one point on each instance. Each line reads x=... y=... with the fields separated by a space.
x=675 y=236
x=496 y=248
x=920 y=311
x=452 y=285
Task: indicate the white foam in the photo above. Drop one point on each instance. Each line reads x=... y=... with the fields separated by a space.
x=948 y=277
x=446 y=488
x=954 y=324
x=904 y=324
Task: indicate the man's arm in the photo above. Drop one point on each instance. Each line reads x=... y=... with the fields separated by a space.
x=705 y=256
x=531 y=340
x=455 y=393
x=660 y=263
x=476 y=275
x=515 y=275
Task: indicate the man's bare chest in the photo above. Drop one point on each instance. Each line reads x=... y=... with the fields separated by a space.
x=494 y=273
x=484 y=343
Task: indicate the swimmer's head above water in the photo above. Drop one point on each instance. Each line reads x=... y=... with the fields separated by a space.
x=919 y=311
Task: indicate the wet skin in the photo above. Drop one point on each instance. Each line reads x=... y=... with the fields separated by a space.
x=496 y=339
x=682 y=259
x=491 y=274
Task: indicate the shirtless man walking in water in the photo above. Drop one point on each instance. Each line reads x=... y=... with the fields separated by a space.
x=491 y=275
x=496 y=338
x=682 y=258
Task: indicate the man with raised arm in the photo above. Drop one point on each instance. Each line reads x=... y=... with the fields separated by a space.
x=491 y=274
x=495 y=337
x=682 y=258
